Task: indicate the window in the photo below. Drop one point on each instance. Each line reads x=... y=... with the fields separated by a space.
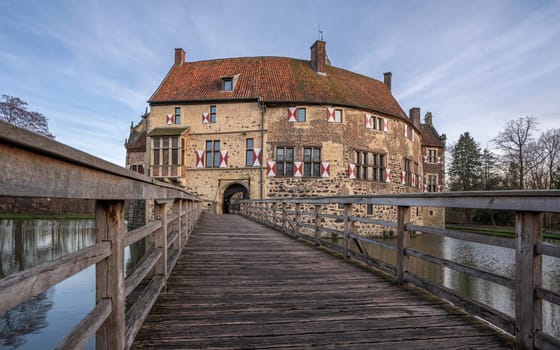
x=177 y=115
x=311 y=161
x=156 y=149
x=338 y=115
x=431 y=182
x=167 y=157
x=407 y=172
x=213 y=154
x=284 y=161
x=370 y=166
x=377 y=123
x=139 y=168
x=227 y=84
x=369 y=209
x=378 y=167
x=301 y=115
x=415 y=175
x=432 y=155
x=249 y=152
x=212 y=114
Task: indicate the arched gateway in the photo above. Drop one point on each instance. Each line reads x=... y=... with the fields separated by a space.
x=231 y=197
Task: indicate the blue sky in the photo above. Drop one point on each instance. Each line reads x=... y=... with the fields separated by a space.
x=90 y=66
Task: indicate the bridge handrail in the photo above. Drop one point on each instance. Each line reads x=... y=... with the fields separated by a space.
x=303 y=218
x=35 y=166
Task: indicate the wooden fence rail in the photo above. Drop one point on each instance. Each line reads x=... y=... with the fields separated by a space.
x=38 y=167
x=287 y=215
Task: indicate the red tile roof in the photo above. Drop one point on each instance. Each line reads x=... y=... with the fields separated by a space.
x=275 y=80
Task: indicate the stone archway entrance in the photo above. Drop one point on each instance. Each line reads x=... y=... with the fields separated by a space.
x=232 y=195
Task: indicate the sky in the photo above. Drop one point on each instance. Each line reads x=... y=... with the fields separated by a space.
x=91 y=65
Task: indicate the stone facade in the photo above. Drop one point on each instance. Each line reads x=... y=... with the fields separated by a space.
x=309 y=130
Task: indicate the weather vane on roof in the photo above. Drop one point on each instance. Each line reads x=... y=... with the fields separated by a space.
x=320 y=33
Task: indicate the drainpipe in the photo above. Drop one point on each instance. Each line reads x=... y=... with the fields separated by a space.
x=262 y=107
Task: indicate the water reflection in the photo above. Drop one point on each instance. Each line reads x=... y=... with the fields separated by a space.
x=27 y=243
x=498 y=260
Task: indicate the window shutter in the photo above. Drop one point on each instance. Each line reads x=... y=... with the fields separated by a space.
x=224 y=159
x=385 y=125
x=298 y=169
x=387 y=175
x=369 y=121
x=439 y=160
x=352 y=171
x=257 y=157
x=425 y=159
x=200 y=159
x=169 y=119
x=325 y=169
x=330 y=115
x=205 y=118
x=414 y=180
x=271 y=168
x=403 y=178
x=440 y=188
x=412 y=132
x=405 y=130
x=292 y=114
x=425 y=188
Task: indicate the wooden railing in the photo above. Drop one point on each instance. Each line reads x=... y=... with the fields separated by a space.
x=315 y=218
x=38 y=167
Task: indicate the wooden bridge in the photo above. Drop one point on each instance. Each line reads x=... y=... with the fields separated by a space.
x=243 y=285
x=234 y=283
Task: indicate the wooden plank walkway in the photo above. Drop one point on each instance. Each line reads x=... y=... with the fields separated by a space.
x=241 y=285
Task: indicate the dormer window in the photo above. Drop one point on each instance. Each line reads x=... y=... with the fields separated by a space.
x=227 y=84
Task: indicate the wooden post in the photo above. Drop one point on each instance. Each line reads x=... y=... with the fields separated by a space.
x=528 y=277
x=161 y=238
x=109 y=273
x=298 y=219
x=317 y=225
x=347 y=228
x=177 y=208
x=284 y=217
x=273 y=214
x=403 y=241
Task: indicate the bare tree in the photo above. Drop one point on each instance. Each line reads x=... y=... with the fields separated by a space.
x=14 y=111
x=515 y=142
x=549 y=144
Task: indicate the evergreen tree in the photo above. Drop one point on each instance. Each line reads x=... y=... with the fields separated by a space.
x=465 y=172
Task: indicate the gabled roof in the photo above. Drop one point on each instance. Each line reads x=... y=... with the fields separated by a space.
x=274 y=80
x=430 y=136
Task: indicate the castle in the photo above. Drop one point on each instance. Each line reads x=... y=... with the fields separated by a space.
x=262 y=127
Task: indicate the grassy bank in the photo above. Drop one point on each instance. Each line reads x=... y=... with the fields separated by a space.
x=47 y=217
x=501 y=232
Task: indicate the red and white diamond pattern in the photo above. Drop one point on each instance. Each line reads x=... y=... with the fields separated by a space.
x=200 y=159
x=325 y=169
x=257 y=157
x=224 y=159
x=387 y=175
x=271 y=168
x=330 y=115
x=369 y=121
x=205 y=118
x=298 y=169
x=352 y=171
x=385 y=125
x=292 y=114
x=169 y=119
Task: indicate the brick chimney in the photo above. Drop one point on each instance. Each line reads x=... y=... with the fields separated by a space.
x=387 y=80
x=415 y=116
x=319 y=57
x=179 y=56
x=428 y=118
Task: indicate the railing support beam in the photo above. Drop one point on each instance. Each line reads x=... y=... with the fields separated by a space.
x=109 y=273
x=403 y=241
x=528 y=277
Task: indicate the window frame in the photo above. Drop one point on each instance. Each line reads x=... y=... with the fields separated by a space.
x=340 y=115
x=213 y=113
x=212 y=154
x=227 y=84
x=432 y=187
x=370 y=166
x=312 y=164
x=249 y=151
x=432 y=155
x=304 y=119
x=177 y=115
x=282 y=163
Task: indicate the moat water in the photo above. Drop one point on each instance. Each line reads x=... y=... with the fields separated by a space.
x=43 y=321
